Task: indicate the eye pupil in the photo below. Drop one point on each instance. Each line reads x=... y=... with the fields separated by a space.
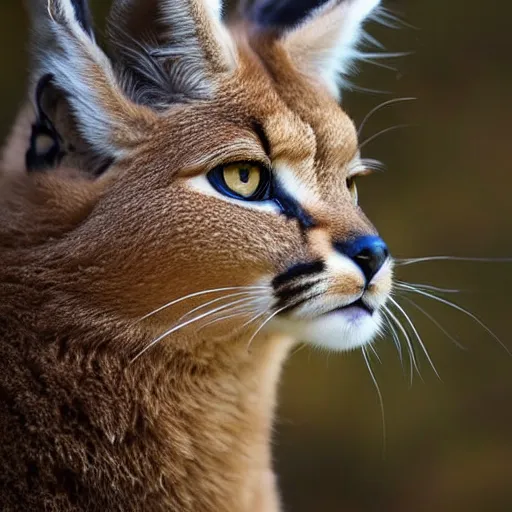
x=244 y=175
x=242 y=180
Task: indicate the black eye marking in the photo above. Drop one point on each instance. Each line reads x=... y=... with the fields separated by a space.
x=260 y=132
x=291 y=208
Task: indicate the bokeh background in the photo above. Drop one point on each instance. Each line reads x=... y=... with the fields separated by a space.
x=447 y=191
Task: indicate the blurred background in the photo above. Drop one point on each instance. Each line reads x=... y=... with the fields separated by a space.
x=447 y=444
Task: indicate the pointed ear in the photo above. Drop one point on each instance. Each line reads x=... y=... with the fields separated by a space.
x=323 y=45
x=171 y=49
x=77 y=96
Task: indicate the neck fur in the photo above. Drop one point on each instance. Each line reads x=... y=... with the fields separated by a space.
x=176 y=429
x=209 y=414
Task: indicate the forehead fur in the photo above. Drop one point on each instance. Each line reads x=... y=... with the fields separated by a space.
x=305 y=127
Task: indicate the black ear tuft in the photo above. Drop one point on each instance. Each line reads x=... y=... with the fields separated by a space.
x=282 y=13
x=83 y=15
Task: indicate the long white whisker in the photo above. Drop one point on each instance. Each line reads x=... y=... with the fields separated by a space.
x=422 y=286
x=377 y=109
x=197 y=294
x=302 y=346
x=235 y=312
x=458 y=308
x=375 y=353
x=396 y=338
x=382 y=132
x=411 y=261
x=351 y=86
x=435 y=322
x=412 y=357
x=378 y=64
x=251 y=295
x=254 y=318
x=182 y=325
x=417 y=334
x=379 y=394
x=265 y=322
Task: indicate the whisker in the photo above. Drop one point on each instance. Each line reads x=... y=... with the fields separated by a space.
x=379 y=394
x=416 y=333
x=252 y=295
x=353 y=87
x=411 y=261
x=396 y=338
x=381 y=55
x=422 y=286
x=181 y=326
x=383 y=132
x=302 y=346
x=375 y=353
x=435 y=322
x=265 y=322
x=197 y=294
x=458 y=308
x=410 y=347
x=378 y=108
x=239 y=311
x=377 y=64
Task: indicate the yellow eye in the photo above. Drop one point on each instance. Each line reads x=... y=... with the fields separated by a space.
x=352 y=188
x=242 y=180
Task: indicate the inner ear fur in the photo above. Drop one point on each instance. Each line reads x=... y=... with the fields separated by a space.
x=76 y=94
x=324 y=44
x=56 y=140
x=170 y=50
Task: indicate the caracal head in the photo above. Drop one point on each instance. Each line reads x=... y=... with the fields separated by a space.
x=224 y=167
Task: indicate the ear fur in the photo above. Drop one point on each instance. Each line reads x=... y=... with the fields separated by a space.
x=81 y=75
x=171 y=49
x=324 y=45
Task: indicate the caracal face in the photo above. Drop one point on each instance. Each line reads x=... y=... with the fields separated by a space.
x=235 y=200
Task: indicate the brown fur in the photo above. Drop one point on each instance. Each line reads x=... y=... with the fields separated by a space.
x=186 y=426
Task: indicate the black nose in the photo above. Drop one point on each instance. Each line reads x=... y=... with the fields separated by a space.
x=369 y=252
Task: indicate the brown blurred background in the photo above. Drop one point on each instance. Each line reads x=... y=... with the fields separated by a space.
x=448 y=444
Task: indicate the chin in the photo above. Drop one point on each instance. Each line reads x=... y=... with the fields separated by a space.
x=342 y=330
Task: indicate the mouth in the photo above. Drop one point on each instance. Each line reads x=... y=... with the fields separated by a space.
x=357 y=308
x=341 y=328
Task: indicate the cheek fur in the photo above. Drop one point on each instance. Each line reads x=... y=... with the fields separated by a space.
x=194 y=242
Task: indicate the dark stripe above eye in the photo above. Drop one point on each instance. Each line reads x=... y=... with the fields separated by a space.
x=300 y=270
x=260 y=132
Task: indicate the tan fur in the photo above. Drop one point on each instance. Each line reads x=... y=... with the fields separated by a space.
x=186 y=426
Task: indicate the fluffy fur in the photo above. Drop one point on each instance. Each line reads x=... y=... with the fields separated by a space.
x=90 y=418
